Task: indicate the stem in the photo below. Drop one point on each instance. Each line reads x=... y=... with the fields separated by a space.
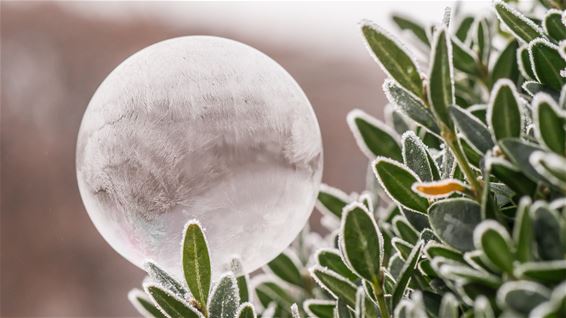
x=378 y=293
x=454 y=145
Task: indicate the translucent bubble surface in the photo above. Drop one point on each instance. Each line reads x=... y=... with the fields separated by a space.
x=199 y=128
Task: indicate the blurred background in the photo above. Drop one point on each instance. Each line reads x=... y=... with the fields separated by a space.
x=53 y=57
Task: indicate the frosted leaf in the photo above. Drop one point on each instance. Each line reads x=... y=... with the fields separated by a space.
x=558 y=204
x=329 y=222
x=525 y=70
x=295 y=311
x=332 y=274
x=269 y=312
x=543 y=42
x=447 y=17
x=523 y=28
x=199 y=128
x=533 y=288
x=418 y=309
x=246 y=306
x=403 y=309
x=316 y=302
x=385 y=130
x=165 y=280
x=235 y=266
x=224 y=297
x=143 y=304
x=551 y=166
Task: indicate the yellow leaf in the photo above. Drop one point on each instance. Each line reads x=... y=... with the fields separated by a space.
x=440 y=188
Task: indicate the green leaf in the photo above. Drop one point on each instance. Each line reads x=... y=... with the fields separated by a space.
x=504 y=116
x=173 y=306
x=365 y=308
x=547 y=63
x=161 y=277
x=416 y=156
x=464 y=58
x=482 y=308
x=393 y=58
x=341 y=310
x=556 y=306
x=482 y=40
x=464 y=28
x=246 y=310
x=406 y=273
x=388 y=280
x=448 y=306
x=242 y=279
x=549 y=272
x=331 y=200
x=225 y=298
x=403 y=247
x=549 y=123
x=523 y=235
x=417 y=219
x=469 y=291
x=464 y=272
x=331 y=259
x=286 y=267
x=396 y=262
x=547 y=232
x=476 y=258
x=336 y=285
x=396 y=119
x=489 y=207
x=522 y=27
x=506 y=65
x=397 y=181
x=319 y=308
x=433 y=250
x=404 y=230
x=473 y=129
x=373 y=137
x=143 y=305
x=554 y=26
x=519 y=152
x=551 y=166
x=196 y=262
x=508 y=174
x=414 y=27
x=522 y=296
x=361 y=243
x=448 y=164
x=410 y=105
x=533 y=87
x=454 y=220
x=441 y=78
x=496 y=244
x=524 y=62
x=269 y=292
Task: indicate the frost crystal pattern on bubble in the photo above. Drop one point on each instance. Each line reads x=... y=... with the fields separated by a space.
x=199 y=128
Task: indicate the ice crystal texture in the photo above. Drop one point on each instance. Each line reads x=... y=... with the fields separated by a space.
x=199 y=128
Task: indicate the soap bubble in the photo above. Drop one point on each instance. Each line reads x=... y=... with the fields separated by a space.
x=199 y=128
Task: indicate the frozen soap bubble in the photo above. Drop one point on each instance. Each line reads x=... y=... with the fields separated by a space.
x=199 y=128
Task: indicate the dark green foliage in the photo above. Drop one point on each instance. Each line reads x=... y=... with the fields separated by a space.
x=465 y=215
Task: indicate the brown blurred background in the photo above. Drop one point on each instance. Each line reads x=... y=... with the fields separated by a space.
x=54 y=55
